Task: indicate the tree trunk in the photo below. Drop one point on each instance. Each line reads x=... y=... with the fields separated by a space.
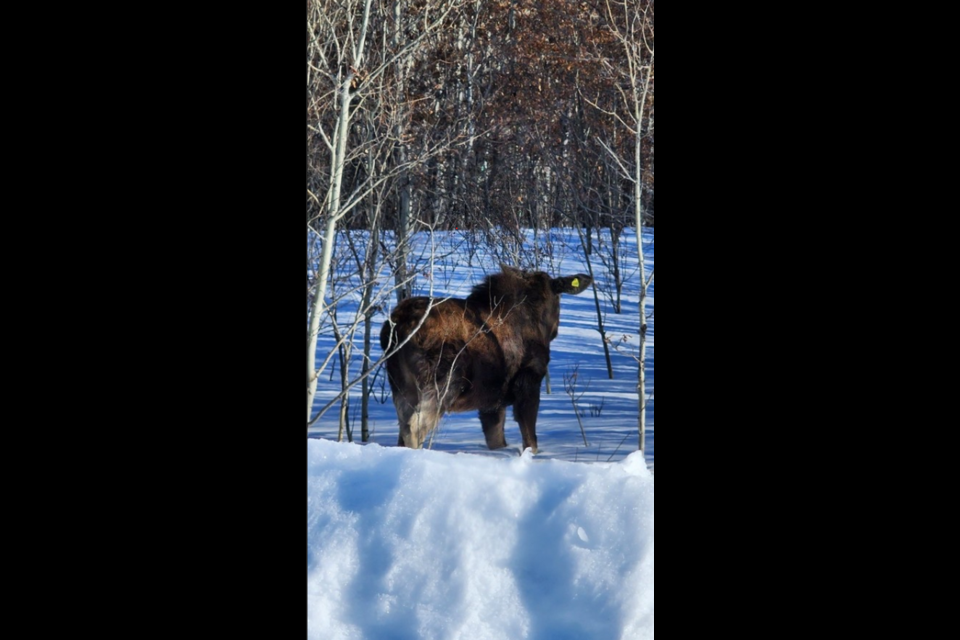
x=332 y=203
x=404 y=223
x=615 y=231
x=330 y=230
x=369 y=270
x=638 y=203
x=596 y=301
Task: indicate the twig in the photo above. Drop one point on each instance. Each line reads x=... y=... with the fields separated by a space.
x=618 y=446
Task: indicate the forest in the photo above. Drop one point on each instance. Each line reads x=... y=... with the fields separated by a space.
x=472 y=113
x=493 y=120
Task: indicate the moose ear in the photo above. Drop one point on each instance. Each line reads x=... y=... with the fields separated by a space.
x=571 y=284
x=505 y=268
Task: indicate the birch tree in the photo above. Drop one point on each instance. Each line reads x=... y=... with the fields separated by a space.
x=355 y=67
x=631 y=23
x=337 y=53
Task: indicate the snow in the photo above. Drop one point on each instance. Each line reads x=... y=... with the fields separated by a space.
x=429 y=545
x=460 y=542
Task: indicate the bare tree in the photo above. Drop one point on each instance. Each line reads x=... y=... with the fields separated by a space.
x=345 y=77
x=631 y=24
x=596 y=302
x=337 y=52
x=570 y=386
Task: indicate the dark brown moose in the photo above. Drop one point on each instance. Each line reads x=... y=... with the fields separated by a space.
x=484 y=353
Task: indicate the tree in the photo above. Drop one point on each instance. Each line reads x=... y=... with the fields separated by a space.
x=342 y=47
x=631 y=24
x=352 y=72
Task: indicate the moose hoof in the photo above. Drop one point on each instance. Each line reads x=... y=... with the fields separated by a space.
x=497 y=444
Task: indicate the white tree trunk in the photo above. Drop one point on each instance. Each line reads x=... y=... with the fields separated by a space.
x=330 y=231
x=342 y=130
x=639 y=103
x=404 y=223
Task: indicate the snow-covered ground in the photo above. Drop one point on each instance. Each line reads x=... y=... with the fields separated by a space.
x=422 y=545
x=405 y=544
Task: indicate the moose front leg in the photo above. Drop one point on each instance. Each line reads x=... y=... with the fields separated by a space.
x=526 y=388
x=492 y=422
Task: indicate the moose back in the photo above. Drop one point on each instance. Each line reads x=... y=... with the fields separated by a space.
x=482 y=354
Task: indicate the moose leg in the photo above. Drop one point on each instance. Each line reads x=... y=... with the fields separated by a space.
x=418 y=414
x=409 y=414
x=492 y=422
x=405 y=411
x=423 y=421
x=410 y=431
x=527 y=393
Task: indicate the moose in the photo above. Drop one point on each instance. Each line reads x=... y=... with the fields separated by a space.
x=484 y=353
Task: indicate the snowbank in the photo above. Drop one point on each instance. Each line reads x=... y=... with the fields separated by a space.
x=429 y=545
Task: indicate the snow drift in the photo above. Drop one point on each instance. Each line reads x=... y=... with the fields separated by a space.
x=421 y=544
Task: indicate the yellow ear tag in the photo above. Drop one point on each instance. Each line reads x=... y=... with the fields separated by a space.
x=575 y=282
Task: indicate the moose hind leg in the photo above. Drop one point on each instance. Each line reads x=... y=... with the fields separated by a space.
x=492 y=422
x=405 y=411
x=423 y=419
